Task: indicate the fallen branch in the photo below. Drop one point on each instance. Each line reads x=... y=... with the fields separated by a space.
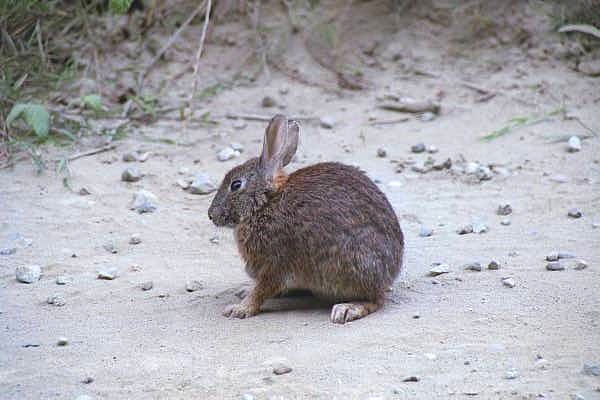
x=582 y=28
x=411 y=106
x=200 y=48
x=92 y=152
x=389 y=121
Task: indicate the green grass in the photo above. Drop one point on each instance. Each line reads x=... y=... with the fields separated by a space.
x=516 y=123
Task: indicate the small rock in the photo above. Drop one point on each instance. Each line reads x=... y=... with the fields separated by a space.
x=446 y=164
x=591 y=369
x=494 y=265
x=182 y=183
x=411 y=379
x=465 y=229
x=8 y=251
x=147 y=285
x=145 y=156
x=129 y=157
x=56 y=300
x=509 y=282
x=425 y=231
x=421 y=167
x=555 y=266
x=416 y=316
x=202 y=184
x=62 y=341
x=108 y=273
x=479 y=227
x=484 y=173
x=505 y=221
x=183 y=171
x=511 y=374
x=327 y=122
x=84 y=192
x=471 y=168
x=214 y=240
x=513 y=253
x=282 y=369
x=580 y=265
x=574 y=144
x=135 y=239
x=28 y=273
x=192 y=286
x=431 y=149
x=504 y=209
x=473 y=266
x=227 y=153
x=268 y=102
x=381 y=153
x=427 y=116
x=111 y=248
x=284 y=90
x=439 y=269
x=237 y=147
x=63 y=280
x=575 y=213
x=418 y=148
x=239 y=124
x=87 y=380
x=131 y=175
x=143 y=202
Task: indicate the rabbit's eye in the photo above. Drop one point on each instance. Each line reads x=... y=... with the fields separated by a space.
x=235 y=185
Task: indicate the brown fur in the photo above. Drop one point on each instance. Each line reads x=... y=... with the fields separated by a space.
x=326 y=228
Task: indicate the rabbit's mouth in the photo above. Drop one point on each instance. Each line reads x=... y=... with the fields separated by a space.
x=222 y=220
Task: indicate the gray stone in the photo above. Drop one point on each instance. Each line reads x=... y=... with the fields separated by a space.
x=592 y=369
x=484 y=173
x=421 y=167
x=431 y=149
x=192 y=286
x=509 y=282
x=214 y=240
x=87 y=380
x=227 y=153
x=56 y=300
x=327 y=122
x=494 y=265
x=574 y=144
x=84 y=191
x=202 y=184
x=143 y=202
x=440 y=165
x=63 y=280
x=131 y=174
x=237 y=146
x=145 y=156
x=505 y=221
x=471 y=168
x=268 y=102
x=108 y=273
x=135 y=239
x=182 y=183
x=281 y=369
x=427 y=116
x=411 y=379
x=580 y=265
x=511 y=374
x=28 y=273
x=465 y=229
x=381 y=153
x=425 y=231
x=472 y=266
x=110 y=247
x=418 y=148
x=147 y=285
x=439 y=269
x=129 y=157
x=62 y=341
x=555 y=266
x=479 y=227
x=575 y=213
x=8 y=251
x=504 y=209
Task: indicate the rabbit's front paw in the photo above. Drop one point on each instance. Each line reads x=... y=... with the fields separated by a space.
x=240 y=310
x=346 y=312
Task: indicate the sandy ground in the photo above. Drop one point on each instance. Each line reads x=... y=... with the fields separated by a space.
x=460 y=333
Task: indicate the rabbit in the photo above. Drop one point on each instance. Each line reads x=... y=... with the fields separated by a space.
x=325 y=228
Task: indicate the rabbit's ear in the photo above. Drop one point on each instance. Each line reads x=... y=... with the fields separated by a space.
x=281 y=142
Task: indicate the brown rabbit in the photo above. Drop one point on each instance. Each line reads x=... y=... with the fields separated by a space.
x=325 y=228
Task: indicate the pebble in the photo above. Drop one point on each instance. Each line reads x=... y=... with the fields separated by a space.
x=192 y=286
x=239 y=124
x=411 y=379
x=237 y=146
x=381 y=153
x=111 y=248
x=427 y=116
x=84 y=192
x=473 y=266
x=284 y=90
x=202 y=184
x=439 y=269
x=62 y=341
x=8 y=251
x=509 y=282
x=421 y=167
x=575 y=213
x=108 y=273
x=494 y=265
x=574 y=144
x=425 y=231
x=327 y=122
x=282 y=369
x=227 y=153
x=268 y=102
x=183 y=183
x=28 y=273
x=580 y=265
x=465 y=229
x=214 y=240
x=471 y=168
x=484 y=173
x=56 y=300
x=480 y=227
x=431 y=149
x=511 y=374
x=446 y=164
x=591 y=369
x=131 y=175
x=63 y=280
x=555 y=266
x=135 y=239
x=504 y=209
x=505 y=222
x=147 y=285
x=143 y=202
x=129 y=157
x=145 y=156
x=87 y=380
x=418 y=148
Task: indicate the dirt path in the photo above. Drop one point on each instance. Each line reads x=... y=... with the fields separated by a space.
x=460 y=333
